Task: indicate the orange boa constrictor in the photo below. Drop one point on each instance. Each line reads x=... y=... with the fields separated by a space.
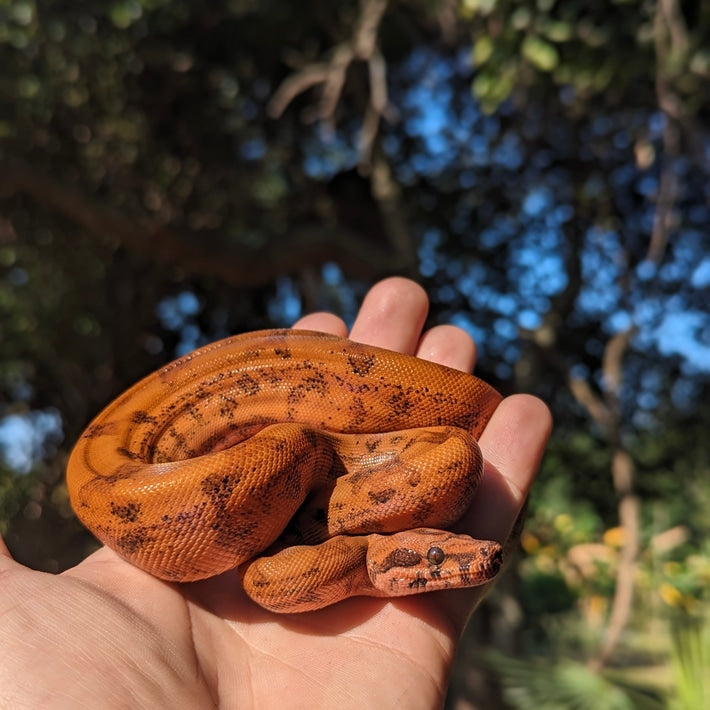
x=323 y=468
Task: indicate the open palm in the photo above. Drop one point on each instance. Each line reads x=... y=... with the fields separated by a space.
x=105 y=634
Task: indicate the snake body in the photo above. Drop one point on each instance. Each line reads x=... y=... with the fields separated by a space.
x=321 y=467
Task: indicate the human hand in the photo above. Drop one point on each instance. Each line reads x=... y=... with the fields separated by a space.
x=106 y=634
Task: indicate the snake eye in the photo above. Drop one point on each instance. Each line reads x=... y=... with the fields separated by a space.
x=435 y=556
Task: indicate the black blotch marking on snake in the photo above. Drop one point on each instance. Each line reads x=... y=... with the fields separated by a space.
x=134 y=540
x=400 y=403
x=248 y=385
x=383 y=496
x=228 y=529
x=399 y=557
x=140 y=416
x=219 y=487
x=125 y=453
x=127 y=513
x=361 y=364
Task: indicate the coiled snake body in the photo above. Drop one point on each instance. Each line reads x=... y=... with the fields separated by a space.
x=323 y=468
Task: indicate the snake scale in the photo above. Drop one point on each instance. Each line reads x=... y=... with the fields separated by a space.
x=321 y=467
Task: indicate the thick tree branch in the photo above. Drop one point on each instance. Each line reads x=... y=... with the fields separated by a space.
x=671 y=42
x=362 y=45
x=387 y=193
x=606 y=412
x=308 y=245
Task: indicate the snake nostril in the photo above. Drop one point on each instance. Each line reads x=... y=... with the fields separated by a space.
x=435 y=556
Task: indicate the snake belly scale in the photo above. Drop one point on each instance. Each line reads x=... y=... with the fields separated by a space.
x=323 y=468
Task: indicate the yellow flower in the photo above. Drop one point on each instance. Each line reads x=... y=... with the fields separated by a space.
x=614 y=537
x=596 y=608
x=670 y=595
x=564 y=522
x=530 y=542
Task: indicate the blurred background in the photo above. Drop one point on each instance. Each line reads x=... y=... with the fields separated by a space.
x=173 y=172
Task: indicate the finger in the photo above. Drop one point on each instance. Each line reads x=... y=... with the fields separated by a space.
x=513 y=444
x=392 y=315
x=322 y=322
x=448 y=345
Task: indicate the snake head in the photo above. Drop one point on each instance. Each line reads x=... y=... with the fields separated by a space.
x=424 y=559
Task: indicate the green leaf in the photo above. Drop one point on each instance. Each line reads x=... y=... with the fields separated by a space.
x=469 y=8
x=563 y=684
x=28 y=86
x=690 y=661
x=700 y=62
x=559 y=31
x=22 y=12
x=493 y=87
x=521 y=18
x=124 y=14
x=540 y=53
x=482 y=50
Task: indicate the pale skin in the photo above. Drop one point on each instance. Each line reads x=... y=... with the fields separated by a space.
x=106 y=635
